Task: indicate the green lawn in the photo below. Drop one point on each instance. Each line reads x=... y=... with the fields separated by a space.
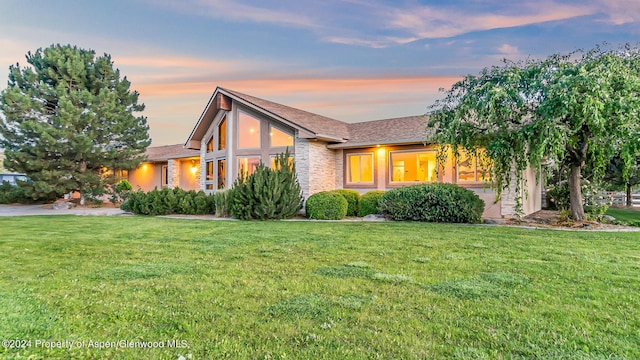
x=316 y=290
x=627 y=216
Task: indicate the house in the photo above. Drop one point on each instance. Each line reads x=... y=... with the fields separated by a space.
x=238 y=131
x=170 y=165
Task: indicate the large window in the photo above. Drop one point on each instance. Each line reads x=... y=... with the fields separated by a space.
x=360 y=168
x=468 y=169
x=279 y=138
x=209 y=171
x=248 y=131
x=210 y=145
x=165 y=175
x=273 y=161
x=222 y=174
x=413 y=166
x=222 y=134
x=248 y=164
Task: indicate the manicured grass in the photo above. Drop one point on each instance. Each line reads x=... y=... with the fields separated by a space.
x=627 y=216
x=316 y=290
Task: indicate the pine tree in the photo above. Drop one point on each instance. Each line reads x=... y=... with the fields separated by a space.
x=67 y=118
x=267 y=193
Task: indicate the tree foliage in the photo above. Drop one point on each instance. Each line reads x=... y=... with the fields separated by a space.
x=574 y=109
x=68 y=116
x=267 y=194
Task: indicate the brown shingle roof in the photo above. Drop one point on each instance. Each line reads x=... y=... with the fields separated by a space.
x=404 y=130
x=320 y=126
x=166 y=152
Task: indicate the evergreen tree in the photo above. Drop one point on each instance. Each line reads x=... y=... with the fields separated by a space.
x=267 y=193
x=67 y=118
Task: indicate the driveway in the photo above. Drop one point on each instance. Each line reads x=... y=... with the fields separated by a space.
x=26 y=210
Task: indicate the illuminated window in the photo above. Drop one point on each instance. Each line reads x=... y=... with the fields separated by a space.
x=222 y=134
x=413 y=166
x=273 y=161
x=248 y=164
x=248 y=131
x=278 y=137
x=222 y=174
x=121 y=174
x=360 y=168
x=468 y=169
x=165 y=175
x=209 y=171
x=210 y=145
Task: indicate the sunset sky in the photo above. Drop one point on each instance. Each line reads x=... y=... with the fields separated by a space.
x=351 y=60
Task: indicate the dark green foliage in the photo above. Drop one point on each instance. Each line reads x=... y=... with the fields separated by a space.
x=353 y=199
x=437 y=202
x=577 y=109
x=221 y=202
x=169 y=201
x=267 y=194
x=10 y=194
x=120 y=191
x=68 y=116
x=369 y=203
x=326 y=205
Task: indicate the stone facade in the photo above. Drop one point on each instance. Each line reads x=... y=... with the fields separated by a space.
x=173 y=170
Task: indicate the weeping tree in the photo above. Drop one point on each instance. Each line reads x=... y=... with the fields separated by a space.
x=577 y=109
x=69 y=116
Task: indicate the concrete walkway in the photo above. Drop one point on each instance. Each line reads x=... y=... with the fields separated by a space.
x=26 y=210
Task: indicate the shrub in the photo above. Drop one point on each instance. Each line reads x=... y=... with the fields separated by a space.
x=120 y=191
x=221 y=201
x=352 y=197
x=434 y=203
x=266 y=193
x=10 y=194
x=369 y=203
x=326 y=205
x=169 y=201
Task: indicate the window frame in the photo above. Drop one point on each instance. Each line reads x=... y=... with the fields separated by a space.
x=238 y=131
x=273 y=126
x=164 y=175
x=417 y=151
x=347 y=169
x=247 y=157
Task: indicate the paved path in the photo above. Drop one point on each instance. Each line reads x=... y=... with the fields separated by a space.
x=23 y=210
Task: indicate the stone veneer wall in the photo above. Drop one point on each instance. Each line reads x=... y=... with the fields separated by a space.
x=339 y=168
x=315 y=166
x=173 y=173
x=530 y=195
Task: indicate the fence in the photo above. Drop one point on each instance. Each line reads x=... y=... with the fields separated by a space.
x=620 y=199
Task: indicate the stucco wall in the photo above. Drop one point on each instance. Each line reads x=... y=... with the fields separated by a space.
x=146 y=177
x=189 y=179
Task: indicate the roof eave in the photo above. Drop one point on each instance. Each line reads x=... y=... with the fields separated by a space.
x=353 y=145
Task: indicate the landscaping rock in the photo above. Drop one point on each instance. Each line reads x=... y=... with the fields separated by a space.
x=374 y=217
x=608 y=218
x=494 y=221
x=63 y=204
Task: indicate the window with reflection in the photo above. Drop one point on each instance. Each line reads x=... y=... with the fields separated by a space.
x=413 y=166
x=209 y=171
x=222 y=174
x=210 y=145
x=469 y=169
x=360 y=168
x=278 y=137
x=273 y=162
x=248 y=164
x=222 y=134
x=248 y=131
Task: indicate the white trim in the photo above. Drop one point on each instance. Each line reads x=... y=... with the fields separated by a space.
x=373 y=169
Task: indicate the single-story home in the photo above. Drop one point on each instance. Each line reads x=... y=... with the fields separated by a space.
x=169 y=165
x=238 y=131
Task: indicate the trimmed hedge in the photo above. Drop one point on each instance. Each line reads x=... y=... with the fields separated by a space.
x=353 y=199
x=326 y=205
x=169 y=201
x=369 y=203
x=437 y=202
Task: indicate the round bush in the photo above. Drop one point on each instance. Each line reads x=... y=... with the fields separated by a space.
x=369 y=203
x=326 y=205
x=433 y=203
x=352 y=197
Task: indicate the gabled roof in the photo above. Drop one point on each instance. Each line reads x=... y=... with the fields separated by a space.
x=320 y=126
x=166 y=152
x=308 y=124
x=339 y=134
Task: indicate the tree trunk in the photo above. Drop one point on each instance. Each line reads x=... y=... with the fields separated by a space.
x=629 y=202
x=575 y=194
